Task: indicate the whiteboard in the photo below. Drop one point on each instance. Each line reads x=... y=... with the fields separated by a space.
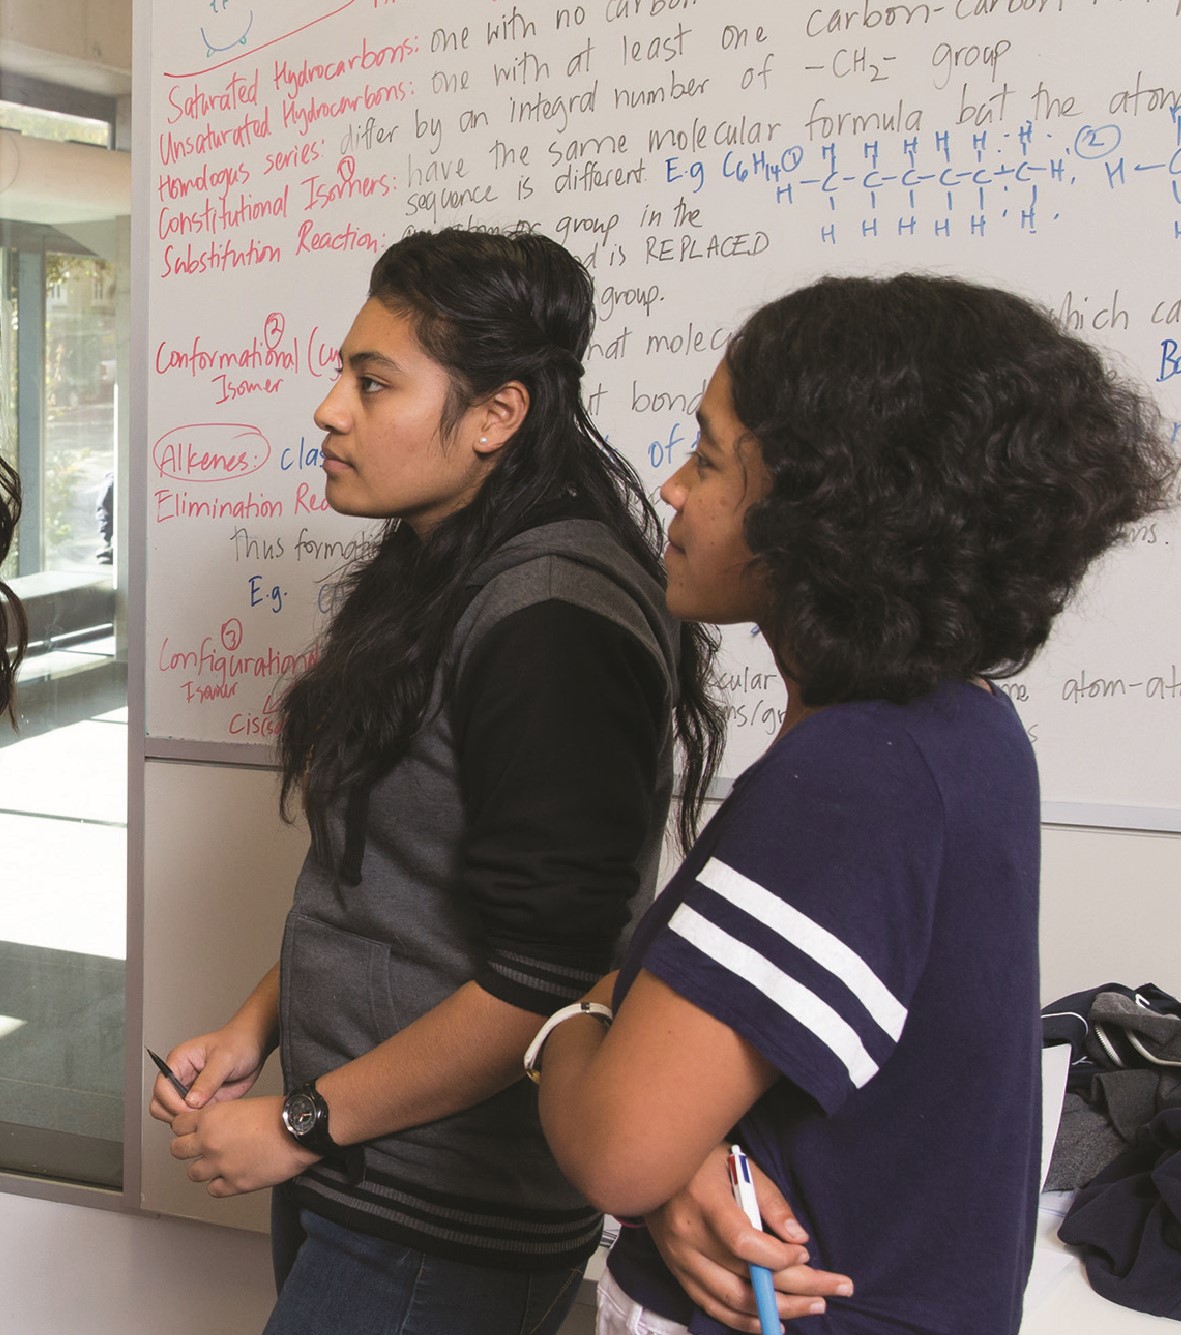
x=700 y=157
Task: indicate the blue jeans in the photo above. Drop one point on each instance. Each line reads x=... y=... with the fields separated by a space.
x=347 y=1283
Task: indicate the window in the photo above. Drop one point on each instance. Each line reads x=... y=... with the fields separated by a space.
x=63 y=776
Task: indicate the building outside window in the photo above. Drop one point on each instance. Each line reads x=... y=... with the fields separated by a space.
x=63 y=776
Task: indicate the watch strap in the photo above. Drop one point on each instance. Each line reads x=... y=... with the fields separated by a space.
x=533 y=1053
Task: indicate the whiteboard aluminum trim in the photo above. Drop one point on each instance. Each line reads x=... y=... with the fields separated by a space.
x=1093 y=815
x=244 y=755
x=1082 y=815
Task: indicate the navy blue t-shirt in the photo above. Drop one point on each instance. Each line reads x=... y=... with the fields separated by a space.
x=863 y=910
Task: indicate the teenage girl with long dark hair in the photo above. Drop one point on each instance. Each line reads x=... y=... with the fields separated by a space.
x=484 y=753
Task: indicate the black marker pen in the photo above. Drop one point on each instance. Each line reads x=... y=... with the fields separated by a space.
x=167 y=1072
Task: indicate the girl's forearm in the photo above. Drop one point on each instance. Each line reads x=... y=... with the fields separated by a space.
x=461 y=1052
x=573 y=1114
x=258 y=1015
x=631 y=1113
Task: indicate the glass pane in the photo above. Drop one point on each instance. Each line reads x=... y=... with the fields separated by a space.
x=63 y=776
x=79 y=450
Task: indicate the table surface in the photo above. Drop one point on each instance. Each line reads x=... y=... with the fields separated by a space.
x=1059 y=1298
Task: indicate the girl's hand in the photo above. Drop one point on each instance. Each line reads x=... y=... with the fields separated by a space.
x=707 y=1242
x=234 y=1147
x=217 y=1067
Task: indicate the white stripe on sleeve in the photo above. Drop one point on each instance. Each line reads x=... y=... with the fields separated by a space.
x=791 y=996
x=827 y=950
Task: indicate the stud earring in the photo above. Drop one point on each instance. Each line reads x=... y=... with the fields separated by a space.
x=483 y=440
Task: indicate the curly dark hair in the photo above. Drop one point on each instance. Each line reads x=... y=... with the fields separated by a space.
x=14 y=626
x=489 y=307
x=946 y=464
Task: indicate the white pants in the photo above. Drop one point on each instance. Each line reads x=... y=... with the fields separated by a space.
x=620 y=1315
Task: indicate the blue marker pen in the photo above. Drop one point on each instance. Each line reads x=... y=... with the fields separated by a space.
x=760 y=1276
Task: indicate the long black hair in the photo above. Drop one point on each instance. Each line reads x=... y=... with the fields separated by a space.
x=947 y=461
x=13 y=623
x=489 y=307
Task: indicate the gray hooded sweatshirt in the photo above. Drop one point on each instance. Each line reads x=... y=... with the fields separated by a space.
x=361 y=961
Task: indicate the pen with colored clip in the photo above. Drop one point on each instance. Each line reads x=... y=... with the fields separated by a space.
x=167 y=1072
x=760 y=1276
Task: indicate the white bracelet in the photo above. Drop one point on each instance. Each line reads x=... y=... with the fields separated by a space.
x=533 y=1052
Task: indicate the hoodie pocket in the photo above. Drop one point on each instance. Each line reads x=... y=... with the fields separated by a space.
x=337 y=1002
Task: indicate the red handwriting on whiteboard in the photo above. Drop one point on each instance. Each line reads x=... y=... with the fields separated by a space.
x=273 y=351
x=322 y=356
x=212 y=670
x=211 y=451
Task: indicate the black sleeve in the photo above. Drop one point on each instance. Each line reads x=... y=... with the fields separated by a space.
x=559 y=716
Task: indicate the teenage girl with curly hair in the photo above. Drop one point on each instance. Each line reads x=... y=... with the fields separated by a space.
x=901 y=482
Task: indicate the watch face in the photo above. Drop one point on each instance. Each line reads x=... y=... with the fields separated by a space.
x=300 y=1114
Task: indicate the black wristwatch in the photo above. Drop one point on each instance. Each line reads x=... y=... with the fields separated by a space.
x=305 y=1115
